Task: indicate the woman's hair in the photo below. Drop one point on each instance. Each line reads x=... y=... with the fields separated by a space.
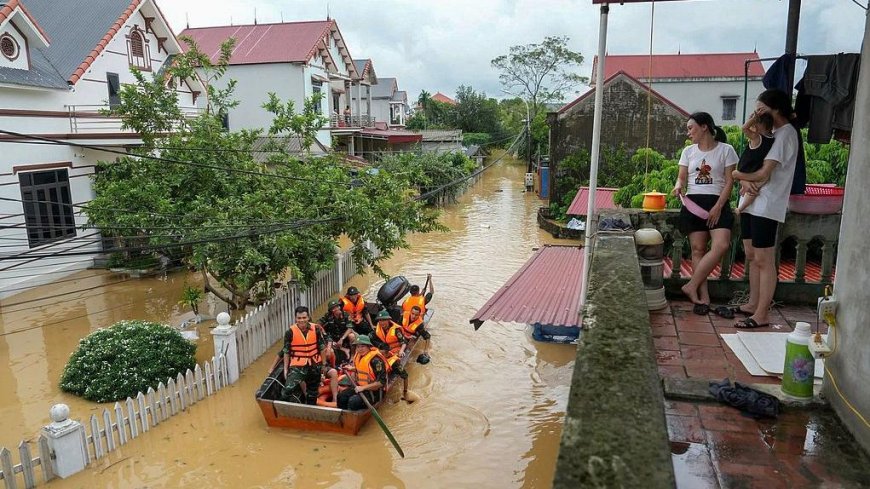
x=705 y=119
x=777 y=100
x=765 y=120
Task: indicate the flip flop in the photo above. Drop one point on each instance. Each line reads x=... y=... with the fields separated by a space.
x=701 y=309
x=737 y=310
x=725 y=312
x=749 y=323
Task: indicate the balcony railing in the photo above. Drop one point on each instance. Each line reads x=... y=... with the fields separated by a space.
x=94 y=119
x=806 y=253
x=337 y=121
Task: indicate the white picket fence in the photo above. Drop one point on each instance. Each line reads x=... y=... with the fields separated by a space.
x=131 y=419
x=256 y=332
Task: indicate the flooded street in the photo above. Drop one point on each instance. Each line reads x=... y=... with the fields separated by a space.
x=492 y=401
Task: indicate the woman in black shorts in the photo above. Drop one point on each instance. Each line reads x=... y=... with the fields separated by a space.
x=705 y=176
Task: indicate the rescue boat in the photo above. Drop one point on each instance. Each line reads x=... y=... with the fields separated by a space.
x=282 y=414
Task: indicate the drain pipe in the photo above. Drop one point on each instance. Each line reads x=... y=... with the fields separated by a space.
x=594 y=155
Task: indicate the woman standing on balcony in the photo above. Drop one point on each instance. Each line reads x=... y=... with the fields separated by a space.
x=758 y=223
x=705 y=176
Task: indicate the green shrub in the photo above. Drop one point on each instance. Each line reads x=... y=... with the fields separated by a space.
x=130 y=356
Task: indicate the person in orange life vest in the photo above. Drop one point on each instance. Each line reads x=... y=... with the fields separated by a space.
x=371 y=376
x=392 y=343
x=419 y=298
x=304 y=344
x=354 y=305
x=412 y=325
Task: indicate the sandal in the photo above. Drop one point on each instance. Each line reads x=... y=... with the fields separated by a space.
x=737 y=310
x=725 y=312
x=749 y=323
x=701 y=309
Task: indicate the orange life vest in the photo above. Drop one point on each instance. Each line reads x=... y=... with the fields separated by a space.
x=303 y=347
x=390 y=336
x=355 y=311
x=410 y=327
x=365 y=375
x=415 y=300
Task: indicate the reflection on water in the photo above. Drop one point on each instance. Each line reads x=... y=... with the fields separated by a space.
x=492 y=401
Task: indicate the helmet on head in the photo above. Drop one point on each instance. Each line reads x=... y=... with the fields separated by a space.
x=352 y=291
x=333 y=303
x=363 y=340
x=383 y=316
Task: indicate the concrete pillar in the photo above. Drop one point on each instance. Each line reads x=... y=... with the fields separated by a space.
x=369 y=102
x=66 y=440
x=849 y=367
x=359 y=103
x=224 y=337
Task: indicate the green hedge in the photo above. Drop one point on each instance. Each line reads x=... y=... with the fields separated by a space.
x=130 y=356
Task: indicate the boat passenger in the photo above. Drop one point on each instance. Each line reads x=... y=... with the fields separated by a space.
x=354 y=305
x=339 y=330
x=371 y=376
x=392 y=343
x=304 y=345
x=420 y=298
x=412 y=326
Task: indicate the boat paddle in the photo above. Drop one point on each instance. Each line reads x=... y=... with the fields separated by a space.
x=376 y=416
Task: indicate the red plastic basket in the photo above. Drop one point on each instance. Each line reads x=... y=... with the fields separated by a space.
x=824 y=190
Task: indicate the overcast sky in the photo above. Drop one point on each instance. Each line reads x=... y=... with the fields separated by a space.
x=438 y=45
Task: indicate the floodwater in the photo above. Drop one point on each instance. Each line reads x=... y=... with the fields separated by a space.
x=492 y=401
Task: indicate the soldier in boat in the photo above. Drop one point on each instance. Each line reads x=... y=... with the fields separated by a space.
x=370 y=370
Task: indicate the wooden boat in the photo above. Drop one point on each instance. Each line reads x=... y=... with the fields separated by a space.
x=282 y=414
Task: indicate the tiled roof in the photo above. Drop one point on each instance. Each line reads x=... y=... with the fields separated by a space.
x=287 y=42
x=400 y=96
x=78 y=35
x=713 y=65
x=440 y=97
x=546 y=290
x=631 y=79
x=291 y=144
x=441 y=134
x=384 y=88
x=603 y=200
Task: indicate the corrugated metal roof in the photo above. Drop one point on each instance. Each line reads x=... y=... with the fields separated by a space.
x=712 y=65
x=288 y=42
x=291 y=144
x=603 y=200
x=546 y=290
x=451 y=135
x=74 y=32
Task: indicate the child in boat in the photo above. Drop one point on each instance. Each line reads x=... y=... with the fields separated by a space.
x=758 y=130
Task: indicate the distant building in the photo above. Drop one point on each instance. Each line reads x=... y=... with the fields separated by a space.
x=712 y=83
x=441 y=141
x=389 y=104
x=440 y=97
x=624 y=116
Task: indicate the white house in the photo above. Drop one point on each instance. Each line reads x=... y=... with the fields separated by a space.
x=60 y=63
x=712 y=83
x=294 y=60
x=389 y=104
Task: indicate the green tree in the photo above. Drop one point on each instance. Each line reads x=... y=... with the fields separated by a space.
x=476 y=113
x=540 y=73
x=197 y=192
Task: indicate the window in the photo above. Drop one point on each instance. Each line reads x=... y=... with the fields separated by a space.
x=114 y=89
x=729 y=108
x=9 y=47
x=138 y=53
x=48 y=211
x=317 y=89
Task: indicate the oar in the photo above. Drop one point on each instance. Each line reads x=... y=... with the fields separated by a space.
x=376 y=416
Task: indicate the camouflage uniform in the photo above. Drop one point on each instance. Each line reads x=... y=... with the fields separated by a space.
x=310 y=374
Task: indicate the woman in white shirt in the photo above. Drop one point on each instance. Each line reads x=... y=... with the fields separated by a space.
x=759 y=222
x=705 y=176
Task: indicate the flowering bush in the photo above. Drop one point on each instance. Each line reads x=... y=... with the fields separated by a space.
x=130 y=356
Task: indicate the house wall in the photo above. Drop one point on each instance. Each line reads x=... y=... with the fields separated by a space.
x=45 y=112
x=381 y=109
x=624 y=122
x=706 y=96
x=253 y=84
x=849 y=367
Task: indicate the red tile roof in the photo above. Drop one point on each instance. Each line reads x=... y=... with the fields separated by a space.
x=715 y=65
x=10 y=7
x=440 y=97
x=546 y=290
x=288 y=42
x=101 y=45
x=603 y=200
x=631 y=79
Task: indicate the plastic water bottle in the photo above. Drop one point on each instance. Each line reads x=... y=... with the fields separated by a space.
x=798 y=373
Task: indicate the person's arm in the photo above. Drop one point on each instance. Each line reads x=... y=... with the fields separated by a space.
x=759 y=177
x=682 y=177
x=380 y=377
x=724 y=197
x=431 y=286
x=288 y=339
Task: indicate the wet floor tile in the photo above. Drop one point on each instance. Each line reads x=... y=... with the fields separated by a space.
x=685 y=429
x=703 y=339
x=692 y=466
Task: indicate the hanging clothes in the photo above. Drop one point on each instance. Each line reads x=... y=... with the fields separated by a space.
x=777 y=76
x=826 y=95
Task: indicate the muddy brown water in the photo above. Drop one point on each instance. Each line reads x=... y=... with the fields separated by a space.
x=492 y=401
